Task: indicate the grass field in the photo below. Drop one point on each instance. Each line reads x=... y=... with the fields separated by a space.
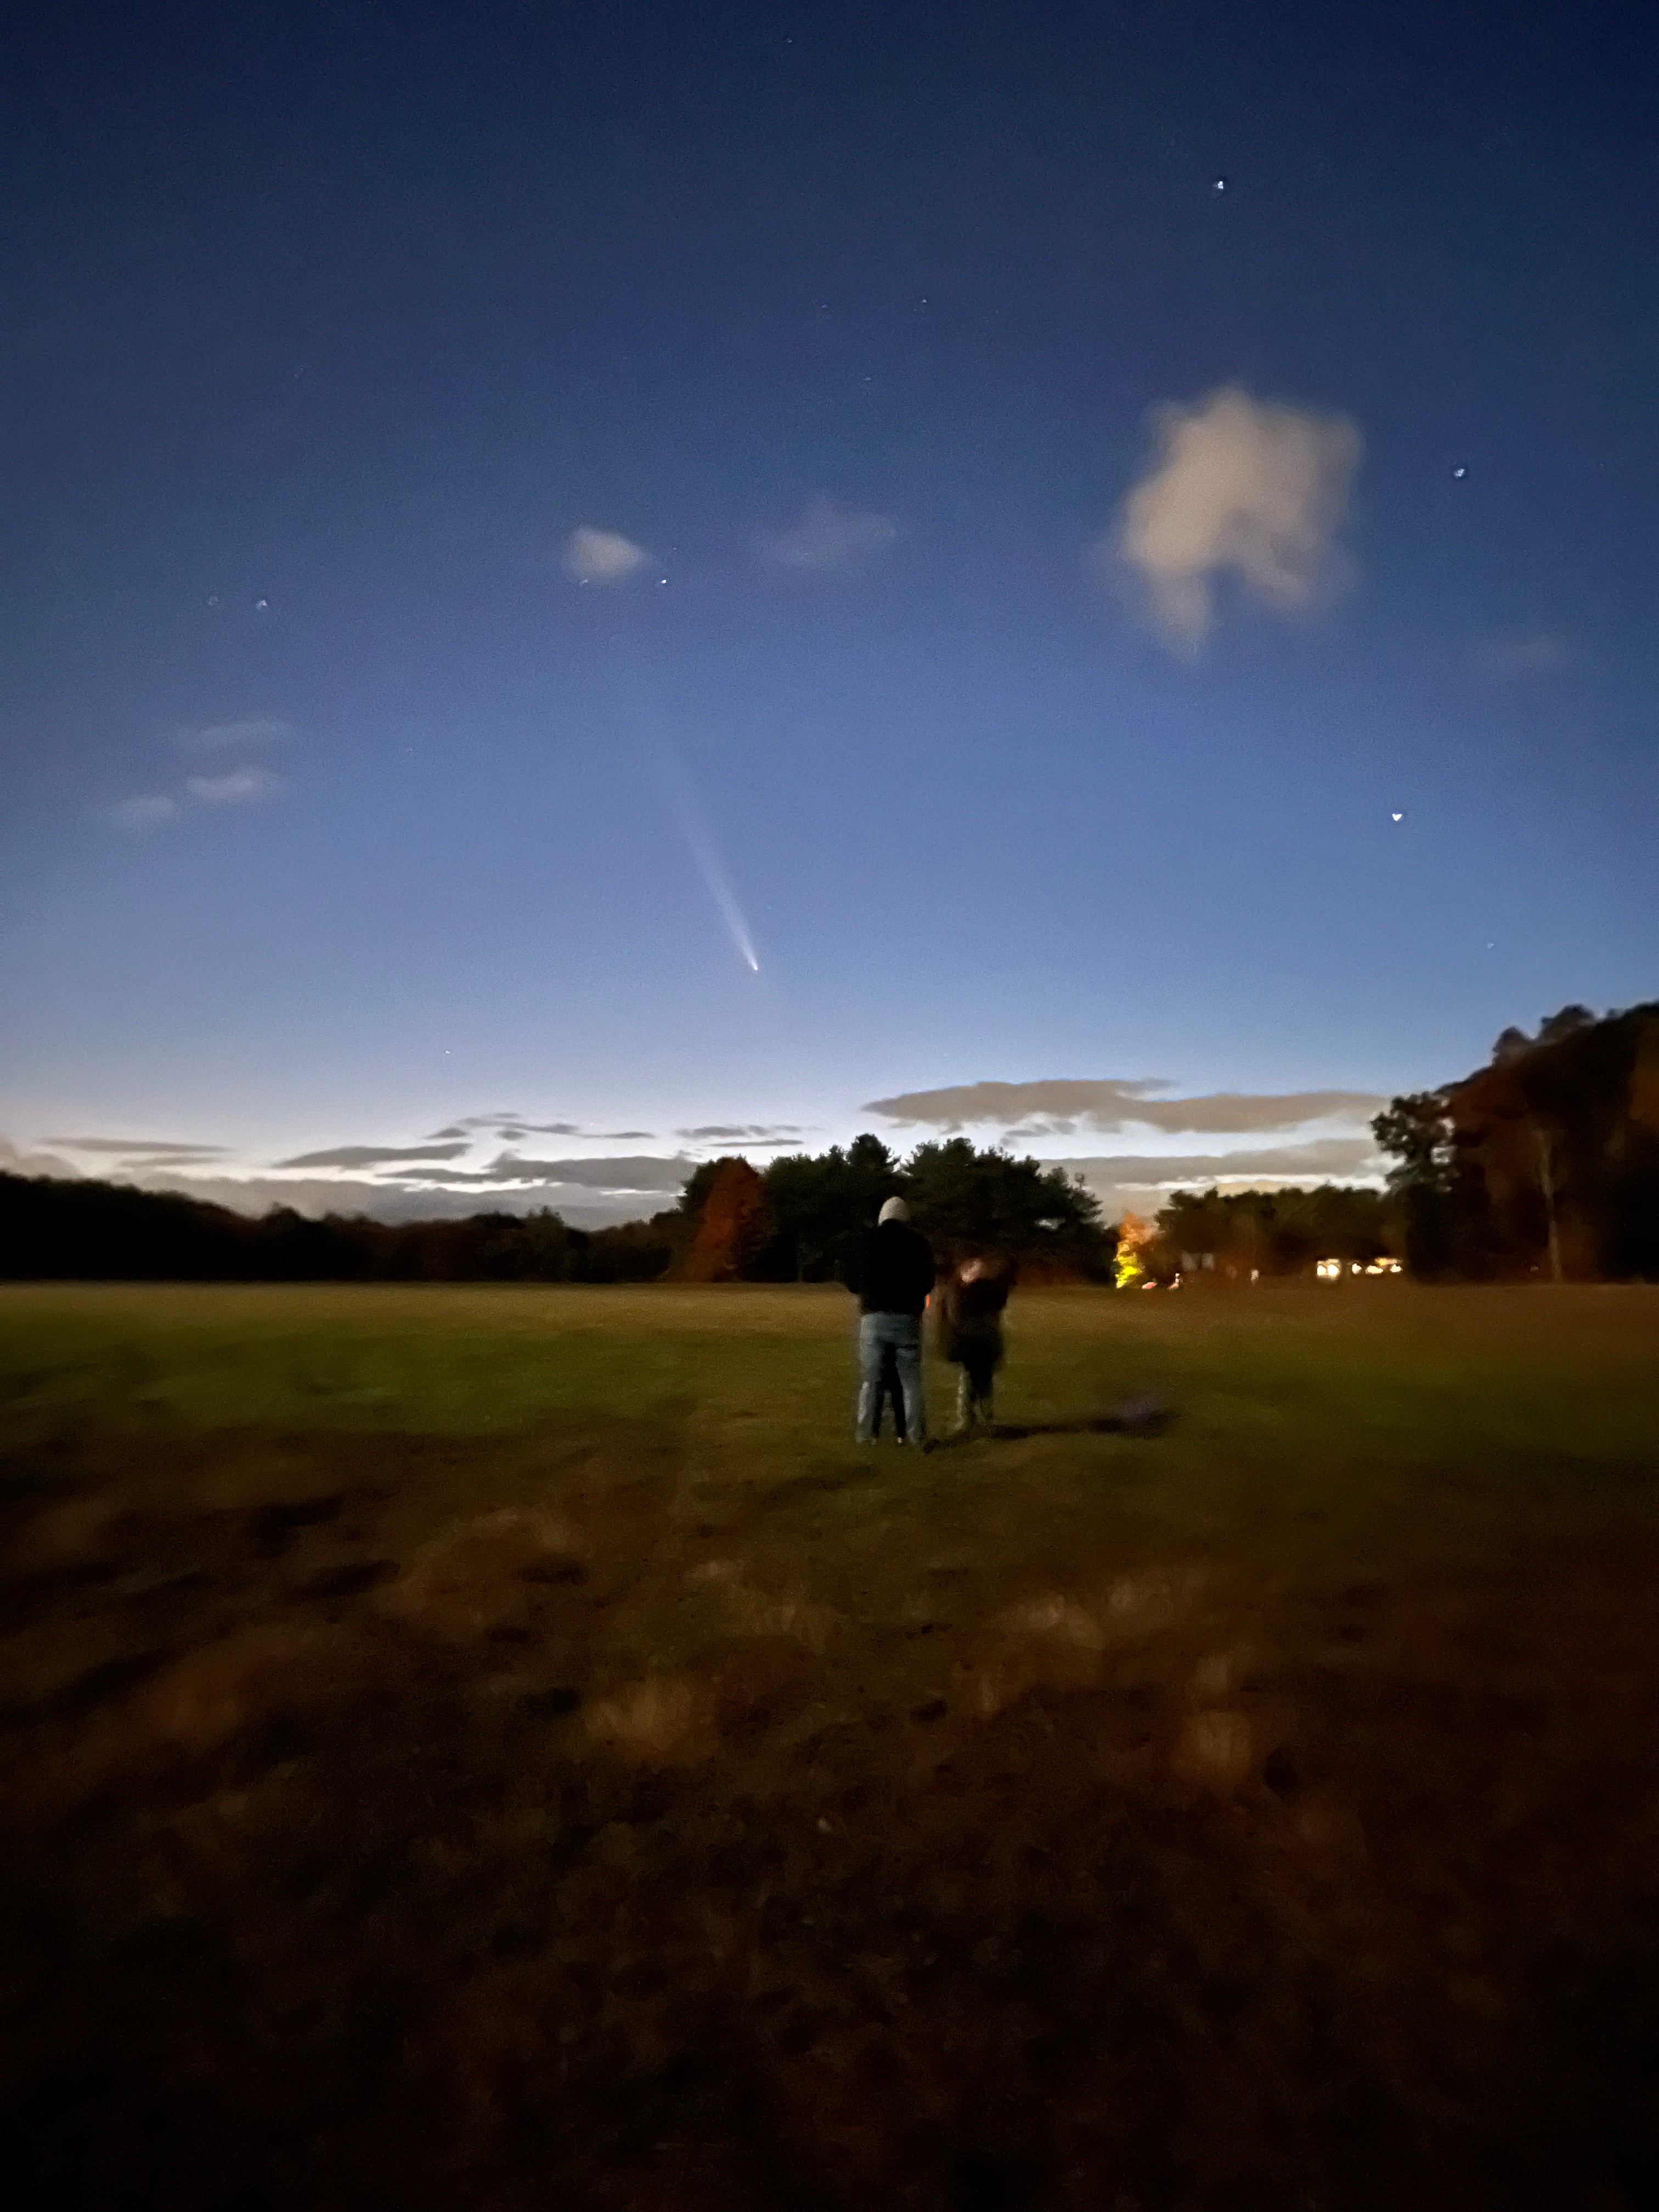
x=500 y=1745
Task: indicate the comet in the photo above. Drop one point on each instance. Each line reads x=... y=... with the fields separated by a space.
x=700 y=842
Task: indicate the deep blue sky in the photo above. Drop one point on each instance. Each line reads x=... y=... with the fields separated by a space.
x=325 y=327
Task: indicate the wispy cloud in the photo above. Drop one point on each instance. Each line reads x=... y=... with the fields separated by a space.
x=26 y=1160
x=1319 y=1159
x=1535 y=653
x=1141 y=1182
x=389 y=1182
x=1238 y=485
x=1057 y=1106
x=209 y=1156
x=255 y=729
x=736 y=1133
x=373 y=1156
x=393 y=1202
x=241 y=787
x=646 y=1173
x=601 y=556
x=510 y=1127
x=159 y=1147
x=827 y=538
x=148 y=812
x=233 y=786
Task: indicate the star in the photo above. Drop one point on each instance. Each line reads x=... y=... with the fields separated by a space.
x=1221 y=184
x=1460 y=472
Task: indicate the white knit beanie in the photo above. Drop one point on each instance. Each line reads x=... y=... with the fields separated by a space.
x=895 y=1210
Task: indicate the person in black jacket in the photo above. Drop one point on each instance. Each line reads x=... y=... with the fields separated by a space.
x=970 y=1335
x=890 y=1272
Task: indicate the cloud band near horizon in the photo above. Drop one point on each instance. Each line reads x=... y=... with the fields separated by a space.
x=1057 y=1106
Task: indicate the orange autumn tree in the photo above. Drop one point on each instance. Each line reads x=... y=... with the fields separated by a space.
x=733 y=1225
x=1133 y=1235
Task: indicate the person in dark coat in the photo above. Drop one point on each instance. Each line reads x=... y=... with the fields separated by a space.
x=890 y=1272
x=970 y=1335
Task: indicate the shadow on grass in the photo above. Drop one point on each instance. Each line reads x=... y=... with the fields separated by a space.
x=1134 y=1416
x=832 y=1474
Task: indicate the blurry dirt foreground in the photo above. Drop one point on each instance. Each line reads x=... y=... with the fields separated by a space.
x=553 y=1821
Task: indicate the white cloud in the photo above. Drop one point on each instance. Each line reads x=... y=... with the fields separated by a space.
x=258 y=730
x=1537 y=652
x=601 y=556
x=239 y=789
x=1241 y=485
x=828 y=537
x=147 y=813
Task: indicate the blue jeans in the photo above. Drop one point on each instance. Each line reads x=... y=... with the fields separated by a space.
x=901 y=1334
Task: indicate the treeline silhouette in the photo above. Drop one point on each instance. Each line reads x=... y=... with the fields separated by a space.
x=794 y=1220
x=1243 y=1234
x=790 y=1222
x=1543 y=1166
x=62 y=1230
x=1543 y=1163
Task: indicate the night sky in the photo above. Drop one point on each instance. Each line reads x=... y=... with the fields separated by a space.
x=622 y=582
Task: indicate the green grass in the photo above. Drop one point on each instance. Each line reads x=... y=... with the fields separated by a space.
x=546 y=1670
x=1317 y=1416
x=1384 y=1373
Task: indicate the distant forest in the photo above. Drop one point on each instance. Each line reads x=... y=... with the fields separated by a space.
x=1542 y=1166
x=789 y=1222
x=1545 y=1163
x=63 y=1230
